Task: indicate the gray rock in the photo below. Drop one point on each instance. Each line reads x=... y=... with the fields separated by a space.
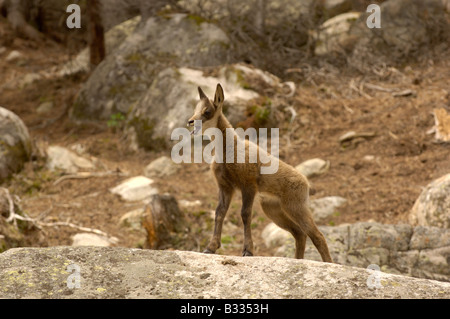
x=29 y=78
x=60 y=158
x=15 y=144
x=136 y=188
x=113 y=38
x=338 y=244
x=106 y=272
x=420 y=251
x=334 y=36
x=126 y=74
x=189 y=204
x=274 y=236
x=90 y=239
x=171 y=99
x=432 y=208
x=405 y=31
x=13 y=56
x=325 y=207
x=434 y=263
x=335 y=7
x=45 y=107
x=133 y=219
x=161 y=167
x=313 y=167
x=364 y=235
x=429 y=237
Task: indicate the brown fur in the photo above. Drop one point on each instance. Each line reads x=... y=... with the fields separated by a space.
x=284 y=195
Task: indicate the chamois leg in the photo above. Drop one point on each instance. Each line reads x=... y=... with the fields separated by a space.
x=300 y=243
x=225 y=196
x=303 y=217
x=272 y=208
x=248 y=196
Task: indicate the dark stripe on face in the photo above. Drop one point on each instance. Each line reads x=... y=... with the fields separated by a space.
x=208 y=113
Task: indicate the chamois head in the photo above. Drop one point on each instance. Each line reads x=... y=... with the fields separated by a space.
x=207 y=111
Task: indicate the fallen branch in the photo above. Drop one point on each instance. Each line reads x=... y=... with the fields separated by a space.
x=396 y=92
x=71 y=225
x=407 y=92
x=84 y=175
x=40 y=224
x=347 y=108
x=13 y=217
x=12 y=213
x=359 y=90
x=379 y=88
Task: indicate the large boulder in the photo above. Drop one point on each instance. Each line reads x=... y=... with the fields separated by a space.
x=416 y=251
x=432 y=208
x=15 y=144
x=113 y=38
x=408 y=29
x=126 y=74
x=105 y=272
x=171 y=98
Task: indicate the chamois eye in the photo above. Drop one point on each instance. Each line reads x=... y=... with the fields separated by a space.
x=207 y=113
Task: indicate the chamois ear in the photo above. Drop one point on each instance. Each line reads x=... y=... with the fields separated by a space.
x=218 y=98
x=202 y=94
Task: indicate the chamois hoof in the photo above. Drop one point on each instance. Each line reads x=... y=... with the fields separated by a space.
x=207 y=251
x=247 y=253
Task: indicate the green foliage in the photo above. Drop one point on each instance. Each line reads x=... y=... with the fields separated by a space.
x=197 y=19
x=116 y=120
x=227 y=239
x=261 y=112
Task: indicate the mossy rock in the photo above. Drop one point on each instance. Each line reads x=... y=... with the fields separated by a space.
x=124 y=77
x=15 y=144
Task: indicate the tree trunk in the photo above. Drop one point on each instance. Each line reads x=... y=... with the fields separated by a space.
x=96 y=33
x=16 y=10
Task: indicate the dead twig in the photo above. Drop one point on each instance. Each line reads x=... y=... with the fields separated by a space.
x=378 y=88
x=12 y=213
x=71 y=225
x=396 y=92
x=13 y=217
x=84 y=175
x=359 y=90
x=347 y=108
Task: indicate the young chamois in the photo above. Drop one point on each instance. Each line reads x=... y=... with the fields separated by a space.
x=284 y=195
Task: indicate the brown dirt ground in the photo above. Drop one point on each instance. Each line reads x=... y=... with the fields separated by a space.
x=384 y=189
